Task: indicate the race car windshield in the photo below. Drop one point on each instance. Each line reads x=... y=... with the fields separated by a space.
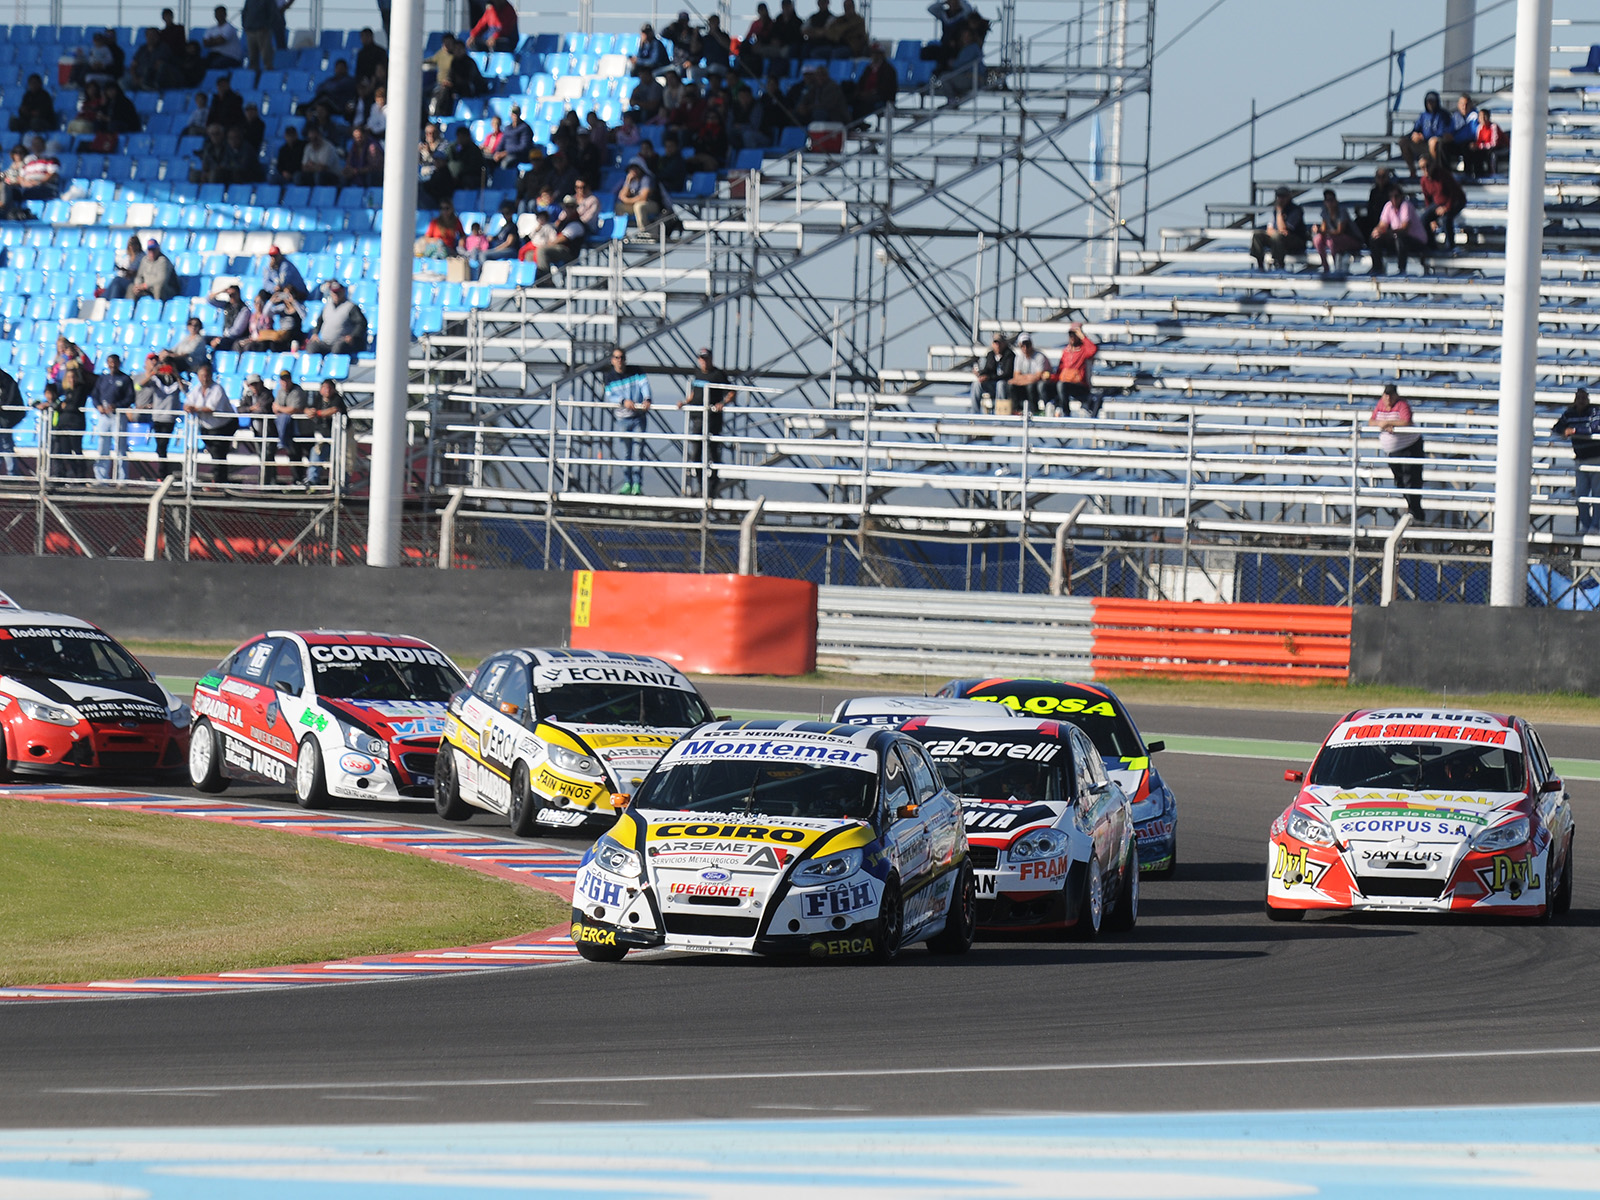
x=1419 y=767
x=362 y=680
x=761 y=789
x=76 y=655
x=622 y=704
x=1000 y=779
x=1107 y=725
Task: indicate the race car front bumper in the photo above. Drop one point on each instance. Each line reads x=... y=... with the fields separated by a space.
x=1158 y=841
x=39 y=749
x=1509 y=883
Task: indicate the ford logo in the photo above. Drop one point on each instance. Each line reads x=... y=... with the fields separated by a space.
x=715 y=876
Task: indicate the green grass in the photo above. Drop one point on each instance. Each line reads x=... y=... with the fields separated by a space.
x=95 y=893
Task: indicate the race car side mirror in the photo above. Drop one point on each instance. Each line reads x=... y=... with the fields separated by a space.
x=906 y=811
x=1154 y=747
x=1551 y=785
x=509 y=708
x=619 y=800
x=1294 y=776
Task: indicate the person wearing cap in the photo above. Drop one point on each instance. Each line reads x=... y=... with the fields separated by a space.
x=681 y=35
x=208 y=403
x=1032 y=380
x=991 y=378
x=158 y=392
x=1074 y=379
x=235 y=317
x=289 y=411
x=707 y=399
x=112 y=397
x=1579 y=423
x=628 y=390
x=1401 y=443
x=341 y=327
x=155 y=275
x=255 y=401
x=321 y=411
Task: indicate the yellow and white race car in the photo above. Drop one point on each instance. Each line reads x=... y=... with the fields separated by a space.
x=559 y=737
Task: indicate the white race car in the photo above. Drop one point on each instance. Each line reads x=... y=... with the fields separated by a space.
x=350 y=715
x=896 y=710
x=782 y=837
x=559 y=737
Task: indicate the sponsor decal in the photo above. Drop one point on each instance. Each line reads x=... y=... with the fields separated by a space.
x=768 y=858
x=754 y=833
x=352 y=763
x=712 y=748
x=969 y=748
x=312 y=719
x=564 y=817
x=248 y=758
x=422 y=727
x=996 y=816
x=841 y=946
x=1155 y=829
x=732 y=890
x=597 y=937
x=715 y=875
x=985 y=882
x=233 y=687
x=395 y=654
x=273 y=740
x=217 y=709
x=601 y=890
x=639 y=741
x=120 y=710
x=550 y=783
x=1051 y=704
x=1422 y=731
x=555 y=675
x=1398 y=825
x=1506 y=874
x=838 y=898
x=54 y=631
x=1295 y=866
x=1045 y=870
x=1406 y=856
x=493 y=788
x=500 y=744
x=462 y=736
x=735 y=856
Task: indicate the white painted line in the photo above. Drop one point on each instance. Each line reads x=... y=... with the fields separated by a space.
x=733 y=1076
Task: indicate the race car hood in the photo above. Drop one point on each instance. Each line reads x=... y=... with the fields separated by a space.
x=125 y=700
x=392 y=719
x=1138 y=781
x=1395 y=825
x=998 y=822
x=627 y=751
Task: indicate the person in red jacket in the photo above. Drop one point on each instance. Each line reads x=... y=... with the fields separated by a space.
x=1484 y=154
x=1073 y=374
x=496 y=29
x=1443 y=199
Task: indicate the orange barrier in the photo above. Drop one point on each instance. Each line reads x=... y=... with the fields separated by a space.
x=1284 y=643
x=702 y=624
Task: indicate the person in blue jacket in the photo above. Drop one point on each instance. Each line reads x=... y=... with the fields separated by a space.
x=1431 y=129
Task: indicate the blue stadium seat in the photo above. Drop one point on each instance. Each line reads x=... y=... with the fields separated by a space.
x=547 y=43
x=148 y=308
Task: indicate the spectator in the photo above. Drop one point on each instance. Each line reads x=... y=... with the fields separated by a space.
x=13 y=407
x=370 y=57
x=253 y=130
x=11 y=188
x=1284 y=235
x=127 y=263
x=193 y=350
x=155 y=65
x=1580 y=424
x=1399 y=442
x=504 y=238
x=36 y=111
x=877 y=87
x=651 y=56
x=629 y=391
x=1032 y=381
x=320 y=416
x=242 y=163
x=673 y=171
x=716 y=47
x=63 y=420
x=208 y=403
x=320 y=161
x=259 y=20
x=952 y=16
x=1483 y=156
x=154 y=276
x=463 y=166
x=756 y=39
x=258 y=320
x=443 y=235
x=91 y=110
x=235 y=317
x=1376 y=199
x=705 y=420
x=1443 y=199
x=105 y=60
x=431 y=152
x=158 y=392
x=255 y=401
x=338 y=91
x=283 y=275
x=291 y=156
x=1335 y=234
x=636 y=197
x=647 y=99
x=586 y=204
x=211 y=159
x=1431 y=130
x=965 y=70
x=493 y=140
x=991 y=378
x=41 y=172
x=68 y=355
x=227 y=106
x=199 y=117
x=288 y=410
x=341 y=327
x=788 y=35
x=192 y=68
x=112 y=397
x=363 y=166
x=475 y=246
x=1399 y=230
x=372 y=111
x=567 y=244
x=223 y=48
x=120 y=115
x=542 y=236
x=496 y=28
x=1074 y=376
x=517 y=143
x=1463 y=129
x=846 y=35
x=458 y=78
x=172 y=34
x=681 y=36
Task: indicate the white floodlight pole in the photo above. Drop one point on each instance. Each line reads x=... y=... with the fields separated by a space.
x=394 y=283
x=1460 y=19
x=1519 y=347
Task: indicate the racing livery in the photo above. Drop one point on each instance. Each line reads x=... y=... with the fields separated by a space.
x=1097 y=711
x=330 y=714
x=1050 y=833
x=1428 y=810
x=554 y=737
x=782 y=837
x=897 y=710
x=74 y=702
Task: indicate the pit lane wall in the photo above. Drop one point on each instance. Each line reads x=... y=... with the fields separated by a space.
x=463 y=612
x=1473 y=648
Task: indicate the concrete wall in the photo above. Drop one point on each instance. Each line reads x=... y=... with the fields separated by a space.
x=465 y=612
x=1474 y=648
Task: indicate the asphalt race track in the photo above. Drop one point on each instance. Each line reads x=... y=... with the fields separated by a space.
x=1206 y=1006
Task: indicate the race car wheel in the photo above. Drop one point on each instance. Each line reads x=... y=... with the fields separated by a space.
x=890 y=926
x=447 y=801
x=1561 y=900
x=961 y=925
x=1091 y=903
x=310 y=784
x=205 y=759
x=1125 y=915
x=525 y=803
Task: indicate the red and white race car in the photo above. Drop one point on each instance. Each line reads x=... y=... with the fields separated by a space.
x=74 y=702
x=350 y=715
x=1427 y=810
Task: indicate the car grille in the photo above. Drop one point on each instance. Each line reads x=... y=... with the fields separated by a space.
x=1375 y=887
x=419 y=764
x=984 y=858
x=703 y=925
x=129 y=760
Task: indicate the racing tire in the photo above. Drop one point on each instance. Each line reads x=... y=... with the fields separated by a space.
x=602 y=953
x=523 y=815
x=1091 y=904
x=961 y=922
x=890 y=927
x=5 y=758
x=1561 y=901
x=310 y=781
x=447 y=801
x=1125 y=914
x=205 y=759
